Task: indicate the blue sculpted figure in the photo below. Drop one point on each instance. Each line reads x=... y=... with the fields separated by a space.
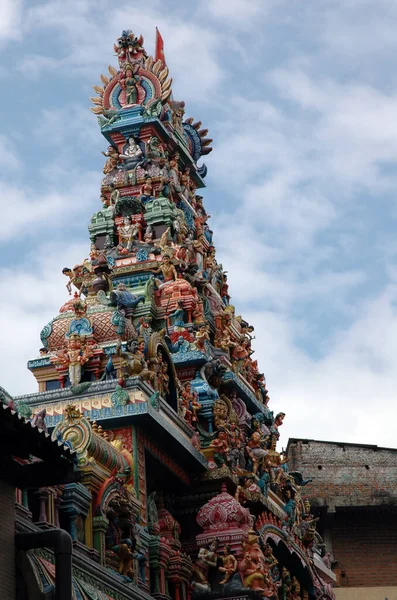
x=263 y=483
x=177 y=317
x=123 y=299
x=290 y=508
x=119 y=321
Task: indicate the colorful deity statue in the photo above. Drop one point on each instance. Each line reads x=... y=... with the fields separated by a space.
x=206 y=559
x=256 y=450
x=253 y=569
x=71 y=278
x=113 y=158
x=147 y=190
x=273 y=458
x=229 y=565
x=120 y=538
x=128 y=232
x=249 y=491
x=132 y=154
x=129 y=83
x=202 y=336
x=190 y=402
x=74 y=357
x=168 y=271
x=155 y=150
x=220 y=447
x=236 y=453
x=165 y=380
x=177 y=318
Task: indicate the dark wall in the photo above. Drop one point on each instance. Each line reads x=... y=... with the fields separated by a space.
x=7 y=541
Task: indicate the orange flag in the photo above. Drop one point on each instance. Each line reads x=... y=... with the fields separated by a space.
x=160 y=48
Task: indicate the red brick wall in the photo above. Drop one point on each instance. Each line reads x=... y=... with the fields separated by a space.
x=354 y=490
x=346 y=475
x=365 y=546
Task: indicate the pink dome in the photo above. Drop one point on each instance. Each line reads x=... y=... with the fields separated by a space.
x=222 y=513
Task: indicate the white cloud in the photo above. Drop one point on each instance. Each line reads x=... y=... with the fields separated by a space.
x=10 y=19
x=8 y=157
x=88 y=42
x=32 y=294
x=240 y=13
x=26 y=208
x=32 y=65
x=62 y=127
x=362 y=29
x=348 y=395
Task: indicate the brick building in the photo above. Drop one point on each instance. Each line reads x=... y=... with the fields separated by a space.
x=354 y=495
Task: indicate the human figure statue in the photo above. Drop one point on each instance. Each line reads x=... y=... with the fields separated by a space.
x=132 y=154
x=129 y=83
x=128 y=232
x=207 y=558
x=168 y=271
x=113 y=156
x=229 y=566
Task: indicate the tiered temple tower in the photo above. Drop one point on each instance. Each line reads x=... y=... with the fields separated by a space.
x=147 y=374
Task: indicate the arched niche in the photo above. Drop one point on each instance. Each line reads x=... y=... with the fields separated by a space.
x=158 y=353
x=293 y=559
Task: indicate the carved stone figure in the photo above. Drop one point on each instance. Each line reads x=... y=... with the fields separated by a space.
x=112 y=161
x=229 y=565
x=206 y=558
x=129 y=83
x=74 y=357
x=132 y=154
x=168 y=271
x=128 y=232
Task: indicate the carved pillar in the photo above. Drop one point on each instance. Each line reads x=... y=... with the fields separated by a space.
x=186 y=574
x=154 y=555
x=43 y=497
x=174 y=574
x=141 y=555
x=76 y=502
x=88 y=528
x=21 y=505
x=57 y=505
x=99 y=526
x=159 y=552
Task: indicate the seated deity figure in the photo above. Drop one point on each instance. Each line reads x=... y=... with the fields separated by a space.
x=132 y=154
x=147 y=190
x=229 y=566
x=168 y=271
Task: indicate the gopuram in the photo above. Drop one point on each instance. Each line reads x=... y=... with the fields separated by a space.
x=147 y=374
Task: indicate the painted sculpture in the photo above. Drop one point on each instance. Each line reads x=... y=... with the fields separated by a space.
x=148 y=373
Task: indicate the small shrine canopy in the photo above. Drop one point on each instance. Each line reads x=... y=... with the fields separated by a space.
x=29 y=458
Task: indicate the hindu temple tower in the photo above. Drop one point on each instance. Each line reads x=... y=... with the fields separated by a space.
x=147 y=377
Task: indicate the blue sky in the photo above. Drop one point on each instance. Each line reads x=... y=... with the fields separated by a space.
x=301 y=101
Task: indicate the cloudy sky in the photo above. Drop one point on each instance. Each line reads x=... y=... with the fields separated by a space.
x=300 y=98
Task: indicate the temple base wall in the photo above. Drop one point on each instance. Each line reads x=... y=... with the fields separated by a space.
x=365 y=546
